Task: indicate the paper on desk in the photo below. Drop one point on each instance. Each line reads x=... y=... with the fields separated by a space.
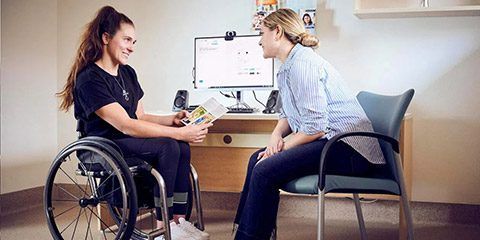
x=207 y=112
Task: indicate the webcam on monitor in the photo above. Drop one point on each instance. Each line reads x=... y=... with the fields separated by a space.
x=229 y=35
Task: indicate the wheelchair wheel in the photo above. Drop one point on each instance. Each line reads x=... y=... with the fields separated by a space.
x=147 y=218
x=85 y=178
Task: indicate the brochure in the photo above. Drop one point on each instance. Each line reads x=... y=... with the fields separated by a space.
x=207 y=112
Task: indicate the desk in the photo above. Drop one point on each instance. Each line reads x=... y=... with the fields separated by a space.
x=221 y=160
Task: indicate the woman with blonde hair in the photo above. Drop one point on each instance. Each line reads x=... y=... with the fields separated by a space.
x=107 y=100
x=316 y=106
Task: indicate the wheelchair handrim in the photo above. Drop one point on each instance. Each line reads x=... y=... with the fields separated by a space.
x=56 y=165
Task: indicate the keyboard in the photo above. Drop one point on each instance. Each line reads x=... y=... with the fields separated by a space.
x=240 y=110
x=191 y=108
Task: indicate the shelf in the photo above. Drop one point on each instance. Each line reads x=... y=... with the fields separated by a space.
x=471 y=10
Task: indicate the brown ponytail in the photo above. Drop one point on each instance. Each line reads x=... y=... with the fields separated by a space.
x=107 y=20
x=308 y=40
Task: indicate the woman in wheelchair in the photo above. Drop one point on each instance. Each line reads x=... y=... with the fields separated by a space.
x=107 y=100
x=316 y=106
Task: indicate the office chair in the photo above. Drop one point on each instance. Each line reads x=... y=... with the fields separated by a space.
x=385 y=113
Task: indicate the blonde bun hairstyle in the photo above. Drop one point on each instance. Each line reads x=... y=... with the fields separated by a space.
x=291 y=25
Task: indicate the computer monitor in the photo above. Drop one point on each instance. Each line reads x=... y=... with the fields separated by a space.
x=231 y=64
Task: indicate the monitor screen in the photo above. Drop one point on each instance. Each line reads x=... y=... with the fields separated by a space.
x=235 y=65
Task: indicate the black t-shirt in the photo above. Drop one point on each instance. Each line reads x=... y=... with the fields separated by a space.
x=95 y=88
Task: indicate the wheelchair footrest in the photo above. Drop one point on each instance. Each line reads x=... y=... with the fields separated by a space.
x=155 y=233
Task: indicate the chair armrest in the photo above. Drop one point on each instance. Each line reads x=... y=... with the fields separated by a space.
x=321 y=175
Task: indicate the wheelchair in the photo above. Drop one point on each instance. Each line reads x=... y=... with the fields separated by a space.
x=93 y=192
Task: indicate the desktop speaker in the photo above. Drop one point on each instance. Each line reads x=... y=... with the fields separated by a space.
x=181 y=101
x=274 y=103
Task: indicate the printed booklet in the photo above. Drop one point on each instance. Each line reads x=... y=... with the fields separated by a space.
x=205 y=113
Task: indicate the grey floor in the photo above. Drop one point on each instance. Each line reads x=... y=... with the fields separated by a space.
x=31 y=224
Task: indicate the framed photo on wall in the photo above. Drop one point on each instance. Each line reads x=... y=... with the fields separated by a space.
x=308 y=19
x=305 y=8
x=261 y=9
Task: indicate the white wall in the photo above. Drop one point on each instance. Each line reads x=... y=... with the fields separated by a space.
x=439 y=57
x=0 y=96
x=28 y=106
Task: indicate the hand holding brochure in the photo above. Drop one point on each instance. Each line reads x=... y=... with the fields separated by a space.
x=205 y=113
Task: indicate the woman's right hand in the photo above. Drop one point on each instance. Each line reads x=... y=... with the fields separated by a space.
x=275 y=145
x=194 y=133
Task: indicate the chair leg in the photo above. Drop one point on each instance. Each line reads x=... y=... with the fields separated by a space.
x=404 y=198
x=408 y=215
x=321 y=215
x=361 y=222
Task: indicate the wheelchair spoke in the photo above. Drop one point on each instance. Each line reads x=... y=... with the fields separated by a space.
x=65 y=200
x=109 y=193
x=89 y=230
x=79 y=187
x=102 y=222
x=74 y=176
x=76 y=223
x=63 y=230
x=65 y=211
x=86 y=185
x=67 y=192
x=104 y=181
x=102 y=205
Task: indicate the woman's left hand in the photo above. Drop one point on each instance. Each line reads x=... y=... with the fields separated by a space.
x=179 y=116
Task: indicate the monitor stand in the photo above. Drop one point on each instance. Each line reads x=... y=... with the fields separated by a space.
x=240 y=103
x=240 y=106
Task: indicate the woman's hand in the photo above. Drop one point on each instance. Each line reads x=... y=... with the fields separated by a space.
x=274 y=146
x=194 y=133
x=179 y=116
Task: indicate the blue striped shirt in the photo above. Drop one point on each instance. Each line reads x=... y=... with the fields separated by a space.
x=315 y=99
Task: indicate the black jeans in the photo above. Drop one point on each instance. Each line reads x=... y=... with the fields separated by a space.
x=257 y=210
x=171 y=158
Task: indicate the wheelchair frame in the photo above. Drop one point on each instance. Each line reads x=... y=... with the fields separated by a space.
x=112 y=163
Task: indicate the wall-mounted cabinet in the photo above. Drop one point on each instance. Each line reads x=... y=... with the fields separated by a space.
x=416 y=8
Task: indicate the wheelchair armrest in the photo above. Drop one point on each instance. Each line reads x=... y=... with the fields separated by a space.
x=321 y=175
